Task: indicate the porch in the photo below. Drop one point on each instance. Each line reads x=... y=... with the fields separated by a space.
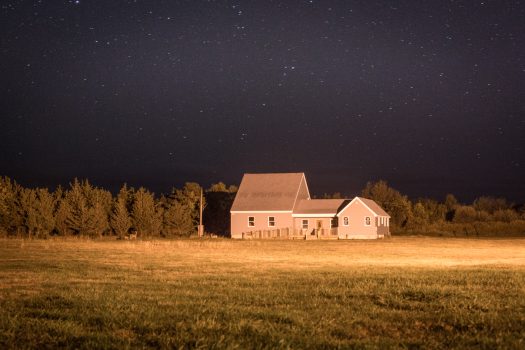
x=292 y=233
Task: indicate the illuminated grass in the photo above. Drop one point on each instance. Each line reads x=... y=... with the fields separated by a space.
x=403 y=292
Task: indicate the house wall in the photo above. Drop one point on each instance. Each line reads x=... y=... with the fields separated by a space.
x=356 y=228
x=239 y=222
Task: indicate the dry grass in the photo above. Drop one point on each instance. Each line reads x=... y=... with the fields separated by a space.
x=413 y=292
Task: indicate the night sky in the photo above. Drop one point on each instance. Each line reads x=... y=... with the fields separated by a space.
x=426 y=94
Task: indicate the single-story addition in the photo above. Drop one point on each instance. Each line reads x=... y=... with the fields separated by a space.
x=278 y=205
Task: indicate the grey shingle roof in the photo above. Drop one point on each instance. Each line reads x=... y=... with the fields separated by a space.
x=319 y=206
x=374 y=206
x=267 y=192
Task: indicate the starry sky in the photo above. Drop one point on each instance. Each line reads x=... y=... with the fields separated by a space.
x=426 y=94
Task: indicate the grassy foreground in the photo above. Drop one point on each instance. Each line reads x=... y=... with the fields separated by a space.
x=405 y=292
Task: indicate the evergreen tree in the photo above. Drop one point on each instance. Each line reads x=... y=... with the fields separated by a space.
x=6 y=198
x=11 y=215
x=27 y=210
x=143 y=212
x=46 y=211
x=158 y=222
x=181 y=208
x=177 y=219
x=189 y=197
x=78 y=217
x=88 y=209
x=100 y=203
x=120 y=219
x=62 y=212
x=37 y=208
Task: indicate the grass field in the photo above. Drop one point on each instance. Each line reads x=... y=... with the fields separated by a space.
x=410 y=292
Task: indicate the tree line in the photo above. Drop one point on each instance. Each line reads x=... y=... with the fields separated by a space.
x=85 y=210
x=486 y=215
x=88 y=211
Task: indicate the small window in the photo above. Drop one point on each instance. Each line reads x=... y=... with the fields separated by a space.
x=271 y=221
x=305 y=224
x=345 y=221
x=367 y=221
x=251 y=221
x=333 y=222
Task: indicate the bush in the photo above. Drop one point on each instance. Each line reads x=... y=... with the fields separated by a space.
x=505 y=215
x=465 y=214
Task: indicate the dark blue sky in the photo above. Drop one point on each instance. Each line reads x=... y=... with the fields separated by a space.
x=428 y=95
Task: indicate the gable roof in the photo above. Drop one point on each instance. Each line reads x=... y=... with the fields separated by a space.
x=374 y=206
x=319 y=206
x=369 y=204
x=268 y=192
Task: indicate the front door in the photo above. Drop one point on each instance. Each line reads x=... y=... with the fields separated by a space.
x=318 y=226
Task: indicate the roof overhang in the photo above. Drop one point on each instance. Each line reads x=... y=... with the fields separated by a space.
x=324 y=215
x=258 y=211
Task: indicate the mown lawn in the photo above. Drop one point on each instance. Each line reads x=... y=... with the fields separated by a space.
x=409 y=292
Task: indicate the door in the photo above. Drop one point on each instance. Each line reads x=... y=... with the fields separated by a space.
x=318 y=226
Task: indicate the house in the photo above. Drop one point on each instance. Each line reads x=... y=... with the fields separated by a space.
x=278 y=205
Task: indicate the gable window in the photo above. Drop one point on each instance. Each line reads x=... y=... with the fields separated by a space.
x=271 y=221
x=367 y=220
x=305 y=224
x=251 y=221
x=345 y=221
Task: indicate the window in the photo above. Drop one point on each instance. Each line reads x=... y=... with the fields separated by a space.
x=271 y=221
x=305 y=224
x=367 y=221
x=334 y=222
x=345 y=221
x=251 y=221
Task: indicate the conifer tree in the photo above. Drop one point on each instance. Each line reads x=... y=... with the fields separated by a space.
x=62 y=212
x=99 y=202
x=37 y=210
x=88 y=209
x=6 y=197
x=11 y=216
x=157 y=223
x=181 y=208
x=78 y=217
x=16 y=211
x=46 y=211
x=177 y=219
x=143 y=212
x=120 y=219
x=189 y=197
x=27 y=210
